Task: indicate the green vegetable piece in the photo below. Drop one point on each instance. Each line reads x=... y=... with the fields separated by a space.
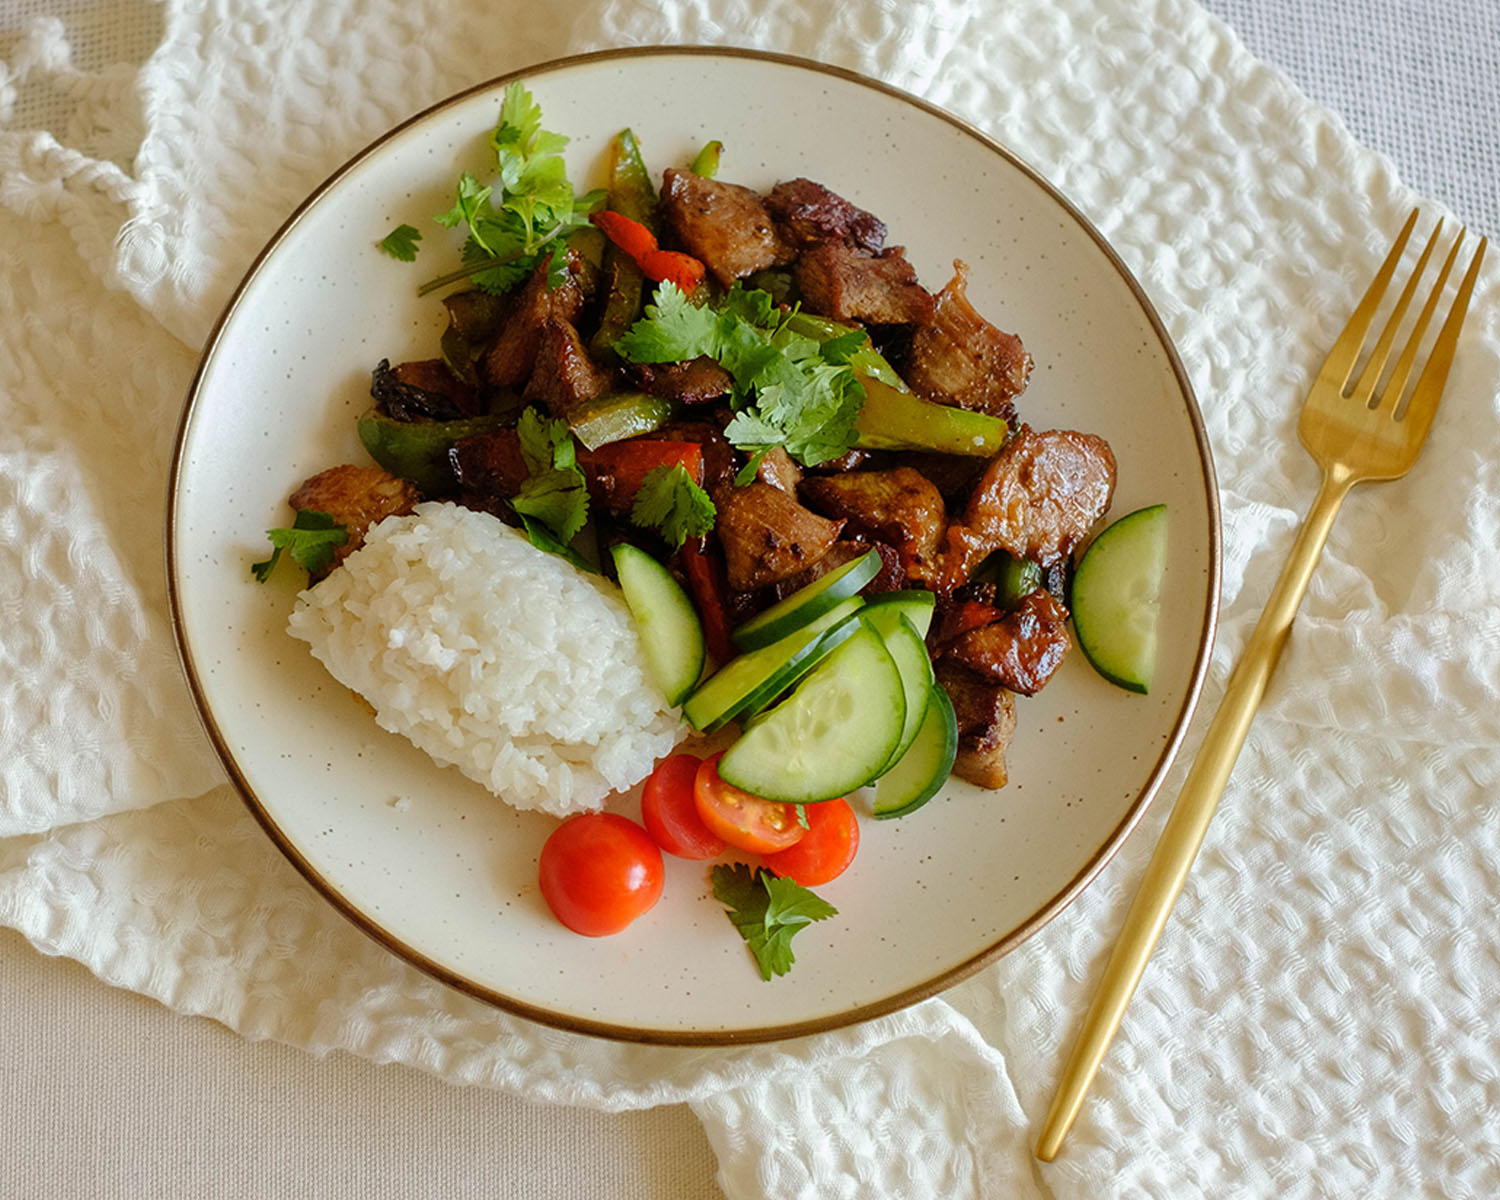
x=844 y=343
x=671 y=633
x=630 y=189
x=418 y=450
x=1116 y=597
x=401 y=242
x=768 y=911
x=311 y=540
x=706 y=161
x=555 y=495
x=617 y=416
x=671 y=502
x=896 y=420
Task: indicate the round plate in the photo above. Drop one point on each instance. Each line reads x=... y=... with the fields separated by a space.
x=444 y=874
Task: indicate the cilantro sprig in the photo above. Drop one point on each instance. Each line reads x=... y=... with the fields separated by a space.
x=768 y=911
x=401 y=242
x=670 y=501
x=310 y=541
x=525 y=213
x=789 y=389
x=553 y=503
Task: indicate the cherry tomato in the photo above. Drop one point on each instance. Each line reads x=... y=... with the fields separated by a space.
x=599 y=872
x=669 y=813
x=825 y=851
x=744 y=821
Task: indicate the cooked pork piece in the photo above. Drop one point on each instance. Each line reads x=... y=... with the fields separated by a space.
x=986 y=715
x=777 y=468
x=488 y=466
x=356 y=498
x=767 y=535
x=698 y=381
x=960 y=358
x=848 y=285
x=899 y=507
x=563 y=377
x=1022 y=649
x=508 y=361
x=725 y=225
x=808 y=212
x=890 y=578
x=1039 y=497
x=422 y=390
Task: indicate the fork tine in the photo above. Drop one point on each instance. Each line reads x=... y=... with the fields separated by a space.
x=1341 y=359
x=1369 y=379
x=1402 y=372
x=1429 y=388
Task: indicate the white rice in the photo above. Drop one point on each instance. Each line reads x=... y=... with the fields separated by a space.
x=493 y=656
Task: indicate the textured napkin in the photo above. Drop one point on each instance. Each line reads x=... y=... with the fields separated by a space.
x=1317 y=1020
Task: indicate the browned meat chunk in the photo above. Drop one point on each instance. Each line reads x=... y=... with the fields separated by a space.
x=1022 y=649
x=356 y=498
x=959 y=358
x=777 y=468
x=725 y=225
x=899 y=507
x=432 y=378
x=488 y=466
x=508 y=361
x=1039 y=497
x=767 y=535
x=846 y=285
x=808 y=212
x=563 y=377
x=890 y=578
x=698 y=381
x=986 y=715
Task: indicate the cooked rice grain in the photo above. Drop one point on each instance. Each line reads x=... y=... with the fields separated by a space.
x=492 y=656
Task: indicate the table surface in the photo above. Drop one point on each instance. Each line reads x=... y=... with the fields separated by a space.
x=106 y=1093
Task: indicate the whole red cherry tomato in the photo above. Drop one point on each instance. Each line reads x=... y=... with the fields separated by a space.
x=744 y=821
x=826 y=849
x=599 y=872
x=669 y=813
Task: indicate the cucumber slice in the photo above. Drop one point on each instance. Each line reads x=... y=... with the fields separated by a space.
x=912 y=660
x=671 y=634
x=747 y=683
x=807 y=604
x=1116 y=592
x=916 y=604
x=924 y=768
x=833 y=734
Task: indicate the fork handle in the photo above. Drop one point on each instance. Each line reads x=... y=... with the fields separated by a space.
x=1168 y=869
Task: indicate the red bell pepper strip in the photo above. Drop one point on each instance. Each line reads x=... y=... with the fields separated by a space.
x=640 y=243
x=631 y=236
x=705 y=576
x=615 y=472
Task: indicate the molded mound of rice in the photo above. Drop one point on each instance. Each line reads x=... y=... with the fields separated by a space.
x=492 y=656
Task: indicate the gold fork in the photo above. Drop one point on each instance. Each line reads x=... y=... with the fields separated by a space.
x=1357 y=429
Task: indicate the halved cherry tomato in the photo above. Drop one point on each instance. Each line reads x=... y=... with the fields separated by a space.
x=599 y=872
x=669 y=813
x=744 y=821
x=825 y=851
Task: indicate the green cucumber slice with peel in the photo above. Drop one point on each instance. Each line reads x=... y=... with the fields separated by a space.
x=916 y=605
x=833 y=734
x=807 y=603
x=748 y=682
x=912 y=660
x=671 y=634
x=1116 y=597
x=926 y=765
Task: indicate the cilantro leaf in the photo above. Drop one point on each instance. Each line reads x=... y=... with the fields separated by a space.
x=768 y=911
x=401 y=242
x=671 y=501
x=674 y=329
x=311 y=541
x=555 y=494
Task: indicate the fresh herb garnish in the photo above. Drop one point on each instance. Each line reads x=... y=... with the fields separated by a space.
x=401 y=242
x=555 y=495
x=787 y=392
x=670 y=501
x=311 y=541
x=767 y=910
x=521 y=217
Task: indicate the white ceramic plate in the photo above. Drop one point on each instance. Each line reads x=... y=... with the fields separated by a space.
x=439 y=870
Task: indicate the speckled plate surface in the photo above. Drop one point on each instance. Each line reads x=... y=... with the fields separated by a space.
x=444 y=874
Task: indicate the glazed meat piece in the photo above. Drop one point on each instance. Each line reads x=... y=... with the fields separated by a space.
x=726 y=226
x=959 y=358
x=1022 y=649
x=779 y=470
x=768 y=536
x=423 y=390
x=900 y=507
x=1038 y=498
x=508 y=361
x=698 y=381
x=563 y=376
x=890 y=578
x=356 y=498
x=986 y=715
x=848 y=285
x=808 y=212
x=488 y=466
